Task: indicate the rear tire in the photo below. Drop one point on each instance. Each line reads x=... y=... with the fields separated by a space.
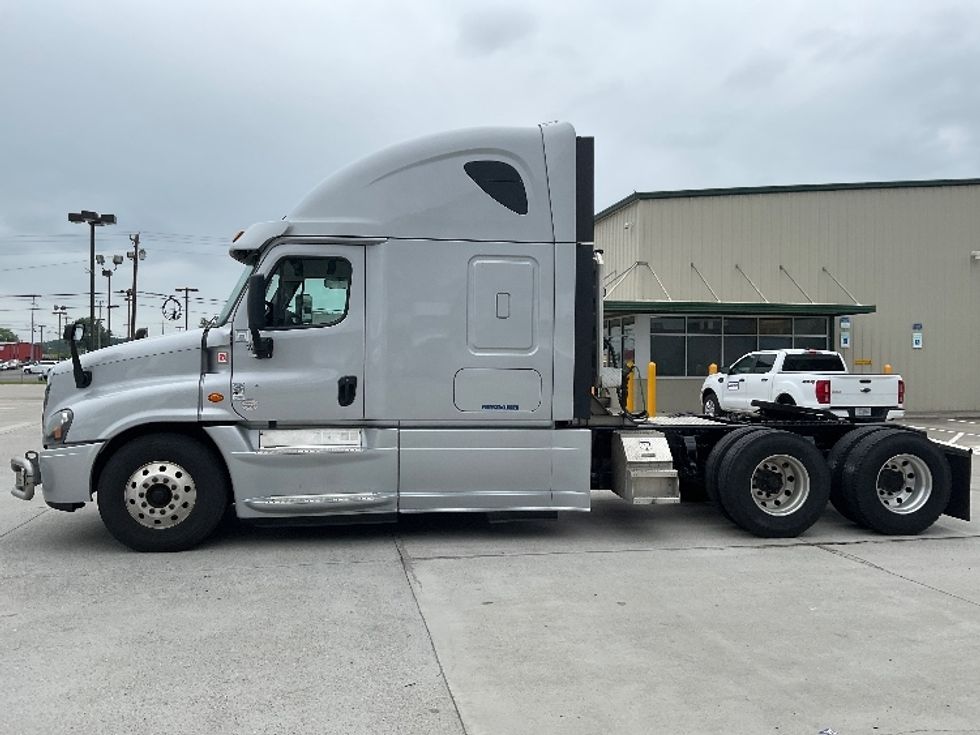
x=774 y=484
x=715 y=458
x=835 y=461
x=162 y=492
x=898 y=483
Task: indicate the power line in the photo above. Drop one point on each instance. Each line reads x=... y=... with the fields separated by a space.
x=41 y=265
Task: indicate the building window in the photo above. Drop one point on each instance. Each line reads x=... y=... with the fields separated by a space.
x=620 y=343
x=686 y=346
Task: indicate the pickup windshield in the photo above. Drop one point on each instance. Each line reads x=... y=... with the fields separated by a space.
x=813 y=364
x=233 y=296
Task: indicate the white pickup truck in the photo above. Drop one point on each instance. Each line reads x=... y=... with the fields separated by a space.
x=808 y=378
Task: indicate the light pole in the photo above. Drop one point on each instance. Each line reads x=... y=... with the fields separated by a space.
x=93 y=220
x=60 y=311
x=116 y=262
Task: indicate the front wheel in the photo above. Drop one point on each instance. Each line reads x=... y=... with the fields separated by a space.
x=710 y=405
x=162 y=492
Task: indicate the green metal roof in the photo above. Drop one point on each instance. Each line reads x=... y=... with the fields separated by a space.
x=734 y=308
x=790 y=189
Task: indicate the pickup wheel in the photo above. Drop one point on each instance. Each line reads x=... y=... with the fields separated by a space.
x=774 y=484
x=715 y=458
x=835 y=461
x=710 y=405
x=897 y=482
x=162 y=492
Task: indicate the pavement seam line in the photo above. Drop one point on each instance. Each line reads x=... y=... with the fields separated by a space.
x=21 y=525
x=409 y=574
x=878 y=567
x=700 y=547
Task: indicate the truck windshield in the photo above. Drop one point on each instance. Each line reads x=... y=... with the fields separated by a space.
x=233 y=296
x=813 y=364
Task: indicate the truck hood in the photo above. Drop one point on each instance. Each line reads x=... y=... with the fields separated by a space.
x=140 y=349
x=155 y=379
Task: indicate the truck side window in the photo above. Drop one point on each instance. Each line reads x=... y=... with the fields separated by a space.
x=764 y=363
x=743 y=366
x=308 y=292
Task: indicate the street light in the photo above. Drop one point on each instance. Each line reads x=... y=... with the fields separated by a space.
x=60 y=311
x=93 y=220
x=117 y=260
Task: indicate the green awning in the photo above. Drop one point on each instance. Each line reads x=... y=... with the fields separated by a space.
x=734 y=308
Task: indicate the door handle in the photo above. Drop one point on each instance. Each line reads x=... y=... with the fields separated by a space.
x=765 y=380
x=741 y=380
x=346 y=390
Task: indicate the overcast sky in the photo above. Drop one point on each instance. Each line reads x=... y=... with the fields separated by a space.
x=191 y=120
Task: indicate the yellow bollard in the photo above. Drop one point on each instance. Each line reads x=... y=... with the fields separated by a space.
x=652 y=389
x=712 y=368
x=631 y=389
x=888 y=369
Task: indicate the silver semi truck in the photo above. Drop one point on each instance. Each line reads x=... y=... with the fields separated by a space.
x=422 y=333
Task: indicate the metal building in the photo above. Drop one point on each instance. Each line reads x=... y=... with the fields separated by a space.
x=884 y=272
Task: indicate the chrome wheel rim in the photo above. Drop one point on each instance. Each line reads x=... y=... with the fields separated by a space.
x=904 y=484
x=780 y=485
x=710 y=407
x=160 y=495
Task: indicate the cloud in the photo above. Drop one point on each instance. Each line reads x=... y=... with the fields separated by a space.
x=488 y=30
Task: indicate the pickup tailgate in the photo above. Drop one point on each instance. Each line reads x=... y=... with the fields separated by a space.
x=877 y=391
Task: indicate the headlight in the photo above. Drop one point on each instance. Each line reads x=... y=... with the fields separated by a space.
x=56 y=430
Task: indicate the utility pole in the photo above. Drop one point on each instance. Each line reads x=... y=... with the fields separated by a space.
x=127 y=294
x=187 y=313
x=34 y=307
x=60 y=311
x=98 y=330
x=41 y=327
x=136 y=256
x=93 y=220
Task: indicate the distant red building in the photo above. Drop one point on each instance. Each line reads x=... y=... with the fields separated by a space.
x=19 y=351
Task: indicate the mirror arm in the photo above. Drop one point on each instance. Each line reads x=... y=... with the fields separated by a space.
x=262 y=346
x=255 y=305
x=83 y=378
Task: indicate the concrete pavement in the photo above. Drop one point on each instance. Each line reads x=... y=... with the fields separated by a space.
x=628 y=619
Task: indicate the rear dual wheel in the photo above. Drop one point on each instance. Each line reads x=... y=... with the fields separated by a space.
x=774 y=484
x=896 y=482
x=835 y=460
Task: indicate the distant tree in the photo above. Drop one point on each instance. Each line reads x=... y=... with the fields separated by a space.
x=205 y=321
x=7 y=335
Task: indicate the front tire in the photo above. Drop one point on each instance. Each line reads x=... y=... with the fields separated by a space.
x=162 y=492
x=774 y=484
x=710 y=405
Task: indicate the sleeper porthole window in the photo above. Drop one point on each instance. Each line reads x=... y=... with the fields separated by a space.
x=501 y=181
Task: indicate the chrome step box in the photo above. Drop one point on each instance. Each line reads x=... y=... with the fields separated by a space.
x=643 y=469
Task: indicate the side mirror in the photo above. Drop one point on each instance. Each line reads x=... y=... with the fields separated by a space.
x=74 y=333
x=261 y=346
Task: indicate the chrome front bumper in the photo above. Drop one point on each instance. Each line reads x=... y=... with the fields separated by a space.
x=27 y=475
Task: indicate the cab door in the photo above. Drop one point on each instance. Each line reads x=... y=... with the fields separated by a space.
x=735 y=396
x=757 y=383
x=315 y=317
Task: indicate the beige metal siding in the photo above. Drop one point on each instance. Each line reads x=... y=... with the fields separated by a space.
x=907 y=250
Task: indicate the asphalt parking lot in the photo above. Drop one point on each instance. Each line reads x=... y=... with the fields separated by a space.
x=661 y=619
